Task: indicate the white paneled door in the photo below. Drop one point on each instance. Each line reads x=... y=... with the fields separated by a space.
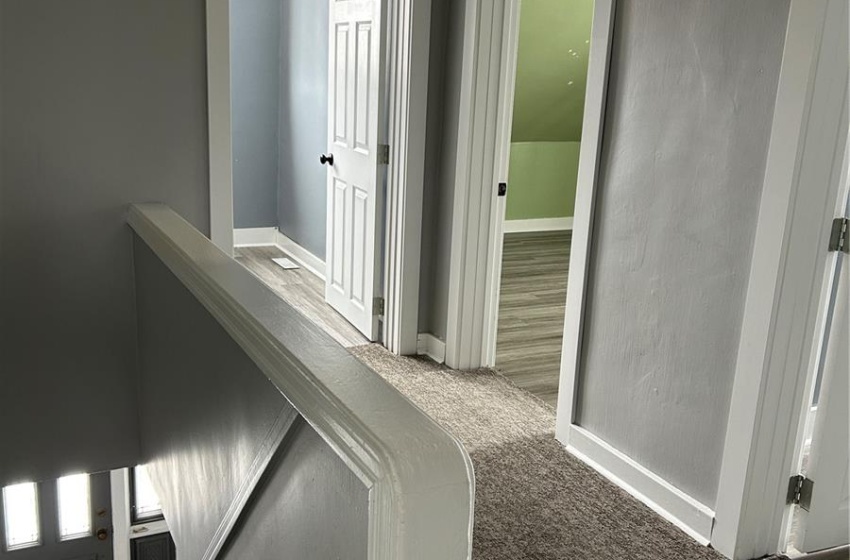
x=355 y=209
x=828 y=521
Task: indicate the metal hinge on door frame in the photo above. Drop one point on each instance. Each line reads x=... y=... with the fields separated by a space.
x=800 y=491
x=383 y=154
x=378 y=306
x=838 y=239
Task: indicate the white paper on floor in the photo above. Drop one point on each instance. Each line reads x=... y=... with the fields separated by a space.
x=283 y=262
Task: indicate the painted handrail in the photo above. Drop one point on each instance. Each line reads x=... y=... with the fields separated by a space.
x=420 y=478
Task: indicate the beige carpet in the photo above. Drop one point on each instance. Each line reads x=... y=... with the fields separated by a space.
x=533 y=500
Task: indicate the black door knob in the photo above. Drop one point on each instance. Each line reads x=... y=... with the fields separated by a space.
x=327 y=159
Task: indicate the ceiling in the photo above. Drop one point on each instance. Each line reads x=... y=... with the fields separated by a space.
x=554 y=39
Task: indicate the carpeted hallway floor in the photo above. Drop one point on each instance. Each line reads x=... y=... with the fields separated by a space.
x=534 y=501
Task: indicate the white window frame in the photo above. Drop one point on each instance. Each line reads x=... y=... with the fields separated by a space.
x=32 y=544
x=123 y=531
x=74 y=536
x=408 y=44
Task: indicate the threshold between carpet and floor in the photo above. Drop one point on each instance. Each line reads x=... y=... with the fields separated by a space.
x=533 y=500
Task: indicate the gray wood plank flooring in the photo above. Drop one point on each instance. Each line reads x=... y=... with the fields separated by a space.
x=532 y=301
x=301 y=289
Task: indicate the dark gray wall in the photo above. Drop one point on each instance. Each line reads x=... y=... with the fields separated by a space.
x=103 y=103
x=206 y=410
x=254 y=46
x=310 y=506
x=441 y=162
x=303 y=125
x=433 y=156
x=689 y=114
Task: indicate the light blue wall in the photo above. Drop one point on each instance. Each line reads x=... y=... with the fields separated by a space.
x=303 y=123
x=254 y=46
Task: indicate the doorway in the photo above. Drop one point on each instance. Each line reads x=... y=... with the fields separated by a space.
x=819 y=495
x=307 y=107
x=317 y=147
x=548 y=94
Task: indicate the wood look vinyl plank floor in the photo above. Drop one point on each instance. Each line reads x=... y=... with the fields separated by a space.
x=532 y=302
x=301 y=289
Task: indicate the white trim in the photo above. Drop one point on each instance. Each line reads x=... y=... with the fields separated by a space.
x=119 y=484
x=420 y=478
x=476 y=178
x=409 y=37
x=431 y=346
x=300 y=255
x=286 y=419
x=140 y=530
x=591 y=147
x=669 y=502
x=504 y=126
x=254 y=237
x=780 y=322
x=540 y=224
x=219 y=119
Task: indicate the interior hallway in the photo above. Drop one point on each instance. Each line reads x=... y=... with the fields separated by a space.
x=532 y=302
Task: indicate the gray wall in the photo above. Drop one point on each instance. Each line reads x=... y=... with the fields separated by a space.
x=206 y=410
x=310 y=506
x=303 y=124
x=103 y=102
x=440 y=159
x=690 y=107
x=254 y=46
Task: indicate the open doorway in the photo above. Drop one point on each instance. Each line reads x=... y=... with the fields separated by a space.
x=317 y=147
x=307 y=105
x=819 y=494
x=553 y=44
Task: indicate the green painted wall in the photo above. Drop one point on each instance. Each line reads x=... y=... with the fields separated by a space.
x=554 y=40
x=542 y=180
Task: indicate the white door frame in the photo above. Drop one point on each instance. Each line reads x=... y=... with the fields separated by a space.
x=407 y=56
x=484 y=117
x=485 y=121
x=783 y=318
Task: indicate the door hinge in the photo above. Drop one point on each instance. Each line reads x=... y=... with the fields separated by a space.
x=503 y=189
x=383 y=154
x=378 y=306
x=838 y=240
x=800 y=491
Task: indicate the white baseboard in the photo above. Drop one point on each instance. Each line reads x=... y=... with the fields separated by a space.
x=300 y=255
x=260 y=237
x=542 y=224
x=254 y=237
x=669 y=502
x=429 y=345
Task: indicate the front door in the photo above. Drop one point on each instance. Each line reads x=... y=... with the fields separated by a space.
x=97 y=545
x=355 y=205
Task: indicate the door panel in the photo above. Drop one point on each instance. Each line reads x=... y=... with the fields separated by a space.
x=826 y=525
x=155 y=547
x=354 y=193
